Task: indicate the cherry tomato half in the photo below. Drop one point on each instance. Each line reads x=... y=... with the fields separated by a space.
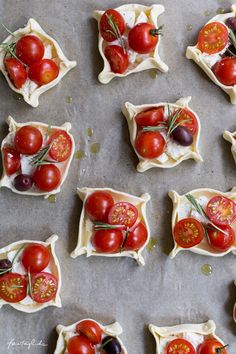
x=44 y=71
x=123 y=213
x=210 y=346
x=43 y=287
x=80 y=345
x=16 y=72
x=107 y=29
x=47 y=177
x=13 y=287
x=190 y=120
x=29 y=49
x=180 y=346
x=117 y=58
x=188 y=232
x=91 y=330
x=11 y=159
x=225 y=71
x=150 y=118
x=98 y=204
x=150 y=144
x=221 y=241
x=35 y=258
x=213 y=38
x=136 y=238
x=28 y=140
x=221 y=210
x=143 y=38
x=61 y=146
x=107 y=241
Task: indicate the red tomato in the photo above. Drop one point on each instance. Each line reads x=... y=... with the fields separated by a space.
x=29 y=49
x=11 y=159
x=150 y=118
x=210 y=346
x=221 y=210
x=220 y=241
x=180 y=346
x=47 y=177
x=35 y=258
x=13 y=287
x=80 y=345
x=28 y=140
x=191 y=121
x=143 y=38
x=123 y=213
x=117 y=58
x=225 y=71
x=91 y=330
x=107 y=241
x=188 y=232
x=43 y=72
x=16 y=72
x=98 y=204
x=136 y=238
x=213 y=38
x=150 y=144
x=106 y=27
x=61 y=146
x=43 y=287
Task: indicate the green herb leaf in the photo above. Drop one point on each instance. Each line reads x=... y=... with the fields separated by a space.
x=104 y=344
x=103 y=226
x=124 y=241
x=115 y=31
x=39 y=158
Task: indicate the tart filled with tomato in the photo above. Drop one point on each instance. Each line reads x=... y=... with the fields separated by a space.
x=32 y=62
x=30 y=276
x=204 y=221
x=163 y=135
x=129 y=38
x=112 y=224
x=36 y=157
x=89 y=336
x=215 y=51
x=231 y=137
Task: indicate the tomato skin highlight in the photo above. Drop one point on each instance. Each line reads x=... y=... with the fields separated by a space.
x=29 y=49
x=188 y=232
x=143 y=38
x=16 y=72
x=123 y=213
x=61 y=146
x=98 y=204
x=11 y=159
x=150 y=118
x=10 y=294
x=150 y=144
x=107 y=241
x=220 y=241
x=44 y=287
x=225 y=71
x=91 y=330
x=28 y=140
x=105 y=27
x=213 y=38
x=80 y=345
x=47 y=177
x=136 y=238
x=43 y=72
x=35 y=258
x=210 y=346
x=180 y=346
x=221 y=210
x=117 y=58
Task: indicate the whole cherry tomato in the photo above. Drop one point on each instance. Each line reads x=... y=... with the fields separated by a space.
x=143 y=38
x=210 y=346
x=11 y=160
x=47 y=177
x=188 y=232
x=80 y=345
x=43 y=72
x=221 y=241
x=16 y=72
x=98 y=204
x=136 y=238
x=117 y=58
x=35 y=258
x=29 y=49
x=213 y=38
x=91 y=330
x=107 y=241
x=150 y=118
x=225 y=71
x=150 y=144
x=111 y=19
x=28 y=140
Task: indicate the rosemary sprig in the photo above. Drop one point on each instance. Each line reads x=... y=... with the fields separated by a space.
x=3 y=271
x=11 y=33
x=115 y=31
x=104 y=344
x=29 y=285
x=232 y=38
x=9 y=47
x=124 y=241
x=39 y=158
x=103 y=226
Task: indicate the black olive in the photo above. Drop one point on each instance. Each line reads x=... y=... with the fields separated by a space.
x=231 y=23
x=23 y=182
x=111 y=345
x=5 y=264
x=182 y=136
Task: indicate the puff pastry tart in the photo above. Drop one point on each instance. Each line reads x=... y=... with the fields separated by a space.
x=30 y=275
x=231 y=137
x=129 y=38
x=36 y=157
x=112 y=224
x=215 y=51
x=188 y=339
x=163 y=134
x=32 y=62
x=91 y=337
x=204 y=222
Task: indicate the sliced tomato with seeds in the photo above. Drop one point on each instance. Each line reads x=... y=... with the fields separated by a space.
x=61 y=146
x=123 y=213
x=150 y=117
x=43 y=287
x=11 y=159
x=221 y=210
x=13 y=287
x=188 y=120
x=213 y=38
x=111 y=22
x=180 y=346
x=188 y=232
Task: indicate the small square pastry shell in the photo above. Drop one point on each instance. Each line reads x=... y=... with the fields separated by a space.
x=206 y=61
x=30 y=90
x=28 y=305
x=231 y=137
x=182 y=208
x=133 y=14
x=84 y=245
x=174 y=154
x=26 y=167
x=67 y=332
x=194 y=333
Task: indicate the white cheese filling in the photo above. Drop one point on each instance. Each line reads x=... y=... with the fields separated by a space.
x=186 y=210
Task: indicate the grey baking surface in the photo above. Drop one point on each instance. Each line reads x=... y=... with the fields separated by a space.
x=164 y=292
